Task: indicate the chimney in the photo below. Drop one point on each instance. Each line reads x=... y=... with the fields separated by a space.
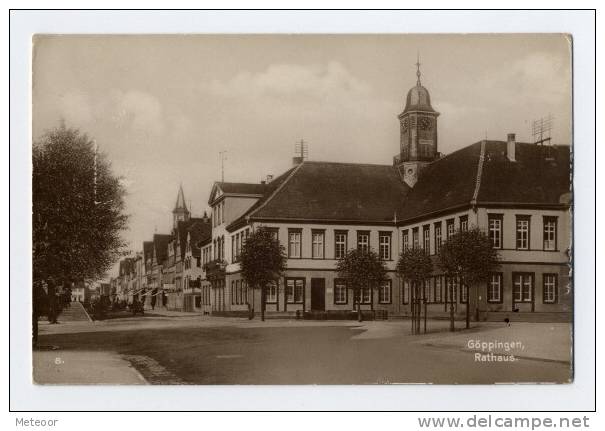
x=269 y=178
x=511 y=143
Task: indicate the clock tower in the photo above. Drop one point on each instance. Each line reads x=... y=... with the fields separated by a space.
x=418 y=132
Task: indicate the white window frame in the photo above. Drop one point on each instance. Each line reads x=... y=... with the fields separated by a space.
x=495 y=282
x=550 y=288
x=317 y=244
x=549 y=235
x=384 y=245
x=340 y=244
x=295 y=244
x=522 y=233
x=384 y=292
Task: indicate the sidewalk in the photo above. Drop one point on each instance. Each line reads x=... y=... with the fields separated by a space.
x=58 y=367
x=539 y=341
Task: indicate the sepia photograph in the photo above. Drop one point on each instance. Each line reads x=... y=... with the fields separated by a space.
x=302 y=209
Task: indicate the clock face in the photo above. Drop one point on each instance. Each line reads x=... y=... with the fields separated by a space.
x=425 y=123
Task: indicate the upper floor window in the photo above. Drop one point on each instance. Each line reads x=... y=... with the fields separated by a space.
x=405 y=239
x=415 y=239
x=340 y=244
x=523 y=232
x=550 y=233
x=449 y=226
x=317 y=244
x=437 y=237
x=495 y=229
x=363 y=240
x=384 y=245
x=464 y=223
x=426 y=239
x=294 y=243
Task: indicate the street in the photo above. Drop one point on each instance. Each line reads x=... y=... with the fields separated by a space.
x=196 y=350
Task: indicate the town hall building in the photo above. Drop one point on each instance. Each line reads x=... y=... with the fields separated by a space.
x=518 y=193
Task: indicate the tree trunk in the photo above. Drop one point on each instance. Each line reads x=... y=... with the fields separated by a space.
x=468 y=308
x=452 y=326
x=358 y=300
x=262 y=303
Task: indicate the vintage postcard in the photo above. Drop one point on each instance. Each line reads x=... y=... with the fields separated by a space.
x=302 y=209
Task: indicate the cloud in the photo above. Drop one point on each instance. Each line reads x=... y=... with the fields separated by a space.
x=75 y=107
x=315 y=82
x=137 y=110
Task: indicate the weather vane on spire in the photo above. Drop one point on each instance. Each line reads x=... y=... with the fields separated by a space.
x=418 y=67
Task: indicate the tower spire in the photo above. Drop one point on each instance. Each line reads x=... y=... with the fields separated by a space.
x=418 y=68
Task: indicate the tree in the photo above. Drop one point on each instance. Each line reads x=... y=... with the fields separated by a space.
x=415 y=266
x=78 y=209
x=469 y=256
x=263 y=260
x=362 y=269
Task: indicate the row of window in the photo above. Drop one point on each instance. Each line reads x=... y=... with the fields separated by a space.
x=318 y=250
x=237 y=242
x=436 y=290
x=218 y=214
x=441 y=289
x=437 y=234
x=523 y=231
x=239 y=292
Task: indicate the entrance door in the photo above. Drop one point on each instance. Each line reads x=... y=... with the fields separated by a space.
x=318 y=294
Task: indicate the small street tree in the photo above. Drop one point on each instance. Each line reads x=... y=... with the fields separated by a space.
x=469 y=256
x=263 y=261
x=362 y=269
x=415 y=266
x=78 y=212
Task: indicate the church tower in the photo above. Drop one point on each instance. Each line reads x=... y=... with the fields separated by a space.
x=180 y=211
x=418 y=132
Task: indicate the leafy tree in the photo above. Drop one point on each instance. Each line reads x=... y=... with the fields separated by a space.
x=362 y=270
x=415 y=266
x=78 y=209
x=263 y=260
x=468 y=255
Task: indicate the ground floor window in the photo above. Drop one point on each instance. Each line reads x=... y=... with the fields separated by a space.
x=549 y=288
x=364 y=295
x=451 y=289
x=523 y=284
x=340 y=291
x=198 y=301
x=463 y=293
x=384 y=292
x=295 y=288
x=432 y=289
x=494 y=288
x=405 y=292
x=271 y=293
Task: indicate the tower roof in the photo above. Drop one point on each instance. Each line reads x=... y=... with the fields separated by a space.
x=418 y=98
x=180 y=200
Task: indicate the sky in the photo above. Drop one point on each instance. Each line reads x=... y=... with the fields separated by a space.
x=162 y=107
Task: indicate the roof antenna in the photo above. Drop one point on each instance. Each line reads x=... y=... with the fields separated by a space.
x=301 y=149
x=223 y=158
x=418 y=68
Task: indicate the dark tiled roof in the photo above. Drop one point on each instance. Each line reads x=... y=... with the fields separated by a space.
x=445 y=183
x=336 y=191
x=242 y=188
x=451 y=181
x=160 y=244
x=199 y=231
x=181 y=230
x=533 y=178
